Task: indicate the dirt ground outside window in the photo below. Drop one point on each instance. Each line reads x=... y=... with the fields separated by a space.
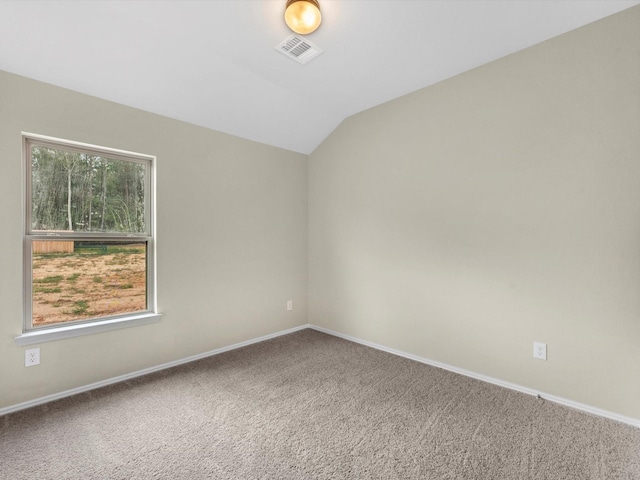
x=87 y=284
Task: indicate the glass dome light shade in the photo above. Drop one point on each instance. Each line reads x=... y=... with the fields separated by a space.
x=303 y=16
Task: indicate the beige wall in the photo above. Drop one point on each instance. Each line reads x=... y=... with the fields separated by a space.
x=466 y=220
x=232 y=239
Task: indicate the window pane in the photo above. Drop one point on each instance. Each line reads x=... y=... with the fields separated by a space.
x=82 y=192
x=77 y=280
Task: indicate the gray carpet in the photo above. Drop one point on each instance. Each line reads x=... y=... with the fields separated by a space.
x=311 y=406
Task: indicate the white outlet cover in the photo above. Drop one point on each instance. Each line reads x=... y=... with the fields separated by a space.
x=540 y=350
x=31 y=357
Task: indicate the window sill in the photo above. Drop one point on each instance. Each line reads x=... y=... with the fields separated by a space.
x=69 y=331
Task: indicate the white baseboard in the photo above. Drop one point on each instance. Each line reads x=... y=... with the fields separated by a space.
x=139 y=373
x=512 y=386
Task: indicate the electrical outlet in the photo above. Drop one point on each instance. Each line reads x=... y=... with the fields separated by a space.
x=289 y=305
x=540 y=350
x=31 y=357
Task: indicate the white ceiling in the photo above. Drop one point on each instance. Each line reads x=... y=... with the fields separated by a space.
x=213 y=63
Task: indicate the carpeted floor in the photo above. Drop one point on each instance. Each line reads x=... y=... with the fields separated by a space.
x=311 y=406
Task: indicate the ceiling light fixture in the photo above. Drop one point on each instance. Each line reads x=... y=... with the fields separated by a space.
x=303 y=16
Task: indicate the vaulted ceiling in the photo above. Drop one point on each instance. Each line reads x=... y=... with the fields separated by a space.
x=213 y=63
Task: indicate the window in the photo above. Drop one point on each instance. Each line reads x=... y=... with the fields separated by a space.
x=89 y=255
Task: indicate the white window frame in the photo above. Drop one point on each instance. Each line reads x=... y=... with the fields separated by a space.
x=31 y=335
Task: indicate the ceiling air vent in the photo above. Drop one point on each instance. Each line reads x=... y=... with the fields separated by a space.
x=298 y=48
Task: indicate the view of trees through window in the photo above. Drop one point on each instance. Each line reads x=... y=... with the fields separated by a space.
x=81 y=192
x=77 y=196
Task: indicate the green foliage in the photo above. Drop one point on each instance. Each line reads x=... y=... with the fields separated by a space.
x=106 y=248
x=37 y=289
x=125 y=250
x=97 y=279
x=52 y=279
x=86 y=193
x=73 y=277
x=89 y=248
x=80 y=307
